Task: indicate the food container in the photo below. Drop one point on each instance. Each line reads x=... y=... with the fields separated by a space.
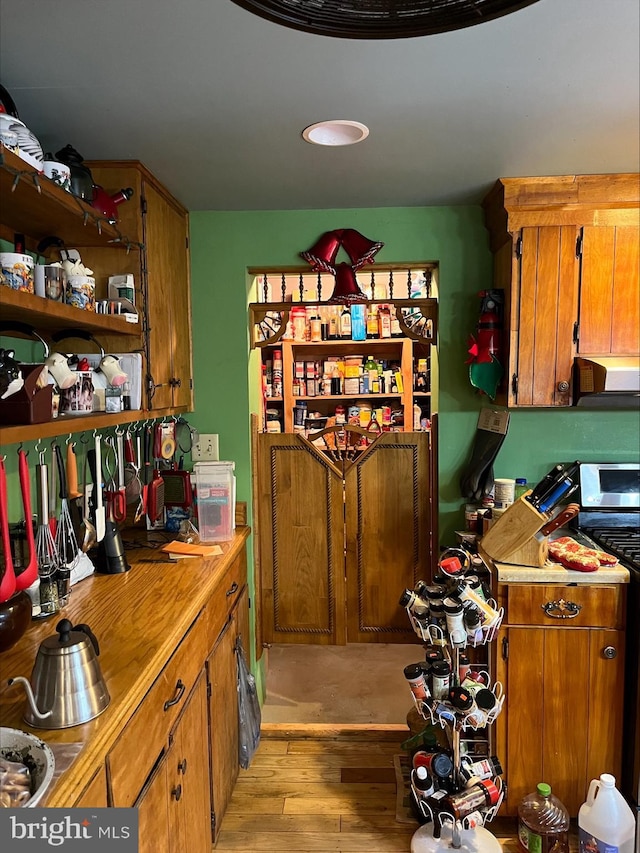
x=16 y=271
x=215 y=489
x=50 y=281
x=19 y=746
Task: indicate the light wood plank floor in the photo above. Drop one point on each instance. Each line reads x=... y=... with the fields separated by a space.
x=322 y=795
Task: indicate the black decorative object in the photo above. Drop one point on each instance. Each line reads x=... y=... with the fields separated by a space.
x=381 y=19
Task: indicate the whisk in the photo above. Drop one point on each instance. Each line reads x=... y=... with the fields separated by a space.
x=66 y=542
x=47 y=555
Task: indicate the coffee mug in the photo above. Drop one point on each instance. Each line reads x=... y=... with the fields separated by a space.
x=81 y=292
x=50 y=281
x=59 y=173
x=16 y=271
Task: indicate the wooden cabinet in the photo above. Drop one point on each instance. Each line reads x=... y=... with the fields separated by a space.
x=174 y=807
x=157 y=221
x=609 y=291
x=340 y=540
x=566 y=255
x=95 y=794
x=223 y=736
x=560 y=658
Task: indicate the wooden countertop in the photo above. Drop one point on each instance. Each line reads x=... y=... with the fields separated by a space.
x=139 y=618
x=557 y=574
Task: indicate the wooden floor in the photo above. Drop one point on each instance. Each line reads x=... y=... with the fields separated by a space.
x=321 y=795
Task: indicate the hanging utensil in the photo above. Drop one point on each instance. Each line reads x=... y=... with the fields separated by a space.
x=116 y=503
x=53 y=497
x=66 y=542
x=89 y=537
x=45 y=546
x=30 y=573
x=100 y=516
x=72 y=473
x=8 y=581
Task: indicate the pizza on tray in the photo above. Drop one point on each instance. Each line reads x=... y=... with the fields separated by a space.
x=573 y=555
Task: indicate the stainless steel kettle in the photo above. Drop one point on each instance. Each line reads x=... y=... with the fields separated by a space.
x=66 y=686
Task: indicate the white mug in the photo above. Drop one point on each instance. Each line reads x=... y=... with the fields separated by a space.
x=113 y=373
x=59 y=173
x=58 y=367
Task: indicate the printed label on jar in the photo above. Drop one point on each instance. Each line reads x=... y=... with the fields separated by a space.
x=590 y=844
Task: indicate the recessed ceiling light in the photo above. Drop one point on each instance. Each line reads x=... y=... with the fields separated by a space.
x=336 y=132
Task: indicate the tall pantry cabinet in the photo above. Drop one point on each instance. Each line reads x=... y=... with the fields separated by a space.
x=344 y=520
x=161 y=269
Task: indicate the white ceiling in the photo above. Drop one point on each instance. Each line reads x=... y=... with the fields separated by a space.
x=213 y=99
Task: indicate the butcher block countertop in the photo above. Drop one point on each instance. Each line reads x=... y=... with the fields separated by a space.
x=554 y=573
x=138 y=618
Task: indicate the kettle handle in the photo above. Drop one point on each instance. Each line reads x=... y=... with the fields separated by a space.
x=87 y=630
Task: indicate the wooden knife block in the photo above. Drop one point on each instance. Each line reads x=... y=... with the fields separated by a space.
x=515 y=531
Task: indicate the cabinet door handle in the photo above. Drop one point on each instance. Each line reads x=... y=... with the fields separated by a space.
x=561 y=609
x=177 y=696
x=610 y=652
x=182 y=766
x=176 y=792
x=233 y=588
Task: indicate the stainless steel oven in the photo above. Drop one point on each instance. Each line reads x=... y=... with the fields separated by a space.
x=610 y=516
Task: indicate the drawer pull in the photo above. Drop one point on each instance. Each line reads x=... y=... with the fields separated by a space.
x=176 y=793
x=561 y=609
x=233 y=588
x=182 y=766
x=180 y=688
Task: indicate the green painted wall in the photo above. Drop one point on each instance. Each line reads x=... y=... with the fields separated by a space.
x=223 y=245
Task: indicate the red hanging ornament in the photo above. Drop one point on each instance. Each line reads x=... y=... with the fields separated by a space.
x=360 y=250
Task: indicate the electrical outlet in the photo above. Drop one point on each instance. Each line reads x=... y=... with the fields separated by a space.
x=206 y=448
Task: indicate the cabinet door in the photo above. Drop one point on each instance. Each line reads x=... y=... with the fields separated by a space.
x=564 y=700
x=300 y=502
x=188 y=777
x=387 y=535
x=169 y=304
x=153 y=813
x=95 y=794
x=223 y=720
x=609 y=291
x=542 y=316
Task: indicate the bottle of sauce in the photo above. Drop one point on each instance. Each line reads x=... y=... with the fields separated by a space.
x=372 y=322
x=345 y=323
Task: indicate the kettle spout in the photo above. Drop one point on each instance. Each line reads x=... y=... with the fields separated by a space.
x=30 y=697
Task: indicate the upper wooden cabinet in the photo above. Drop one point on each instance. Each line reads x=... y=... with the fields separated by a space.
x=566 y=255
x=155 y=219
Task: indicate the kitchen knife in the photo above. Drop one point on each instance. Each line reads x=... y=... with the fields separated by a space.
x=565 y=515
x=563 y=490
x=549 y=479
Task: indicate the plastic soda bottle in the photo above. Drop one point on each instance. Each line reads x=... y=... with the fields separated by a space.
x=605 y=821
x=543 y=823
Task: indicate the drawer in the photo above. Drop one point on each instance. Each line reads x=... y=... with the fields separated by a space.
x=224 y=598
x=596 y=606
x=147 y=732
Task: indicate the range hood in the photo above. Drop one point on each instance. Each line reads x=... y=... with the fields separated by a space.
x=607 y=382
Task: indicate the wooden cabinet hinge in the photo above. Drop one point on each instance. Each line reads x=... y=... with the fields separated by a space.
x=505 y=648
x=209 y=691
x=519 y=247
x=143 y=205
x=213 y=825
x=514 y=384
x=576 y=332
x=186 y=243
x=579 y=241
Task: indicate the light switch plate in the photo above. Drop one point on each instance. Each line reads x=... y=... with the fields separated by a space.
x=206 y=448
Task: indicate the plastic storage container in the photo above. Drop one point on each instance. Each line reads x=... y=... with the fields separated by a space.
x=605 y=821
x=543 y=822
x=216 y=494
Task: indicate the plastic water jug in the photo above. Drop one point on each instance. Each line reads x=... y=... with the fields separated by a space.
x=605 y=821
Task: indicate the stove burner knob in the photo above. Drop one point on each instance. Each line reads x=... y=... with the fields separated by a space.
x=609 y=652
